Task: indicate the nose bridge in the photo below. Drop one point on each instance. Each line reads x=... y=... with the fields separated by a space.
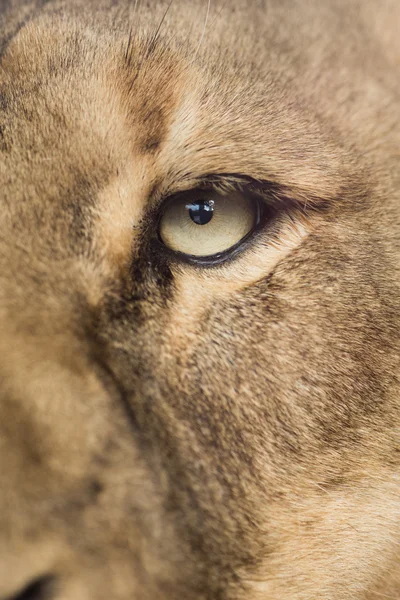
x=54 y=422
x=49 y=387
x=49 y=390
x=50 y=383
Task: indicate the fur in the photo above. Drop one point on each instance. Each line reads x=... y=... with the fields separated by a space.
x=173 y=431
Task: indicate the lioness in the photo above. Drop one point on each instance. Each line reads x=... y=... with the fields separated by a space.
x=200 y=300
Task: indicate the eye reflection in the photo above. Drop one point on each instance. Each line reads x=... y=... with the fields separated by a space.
x=201 y=212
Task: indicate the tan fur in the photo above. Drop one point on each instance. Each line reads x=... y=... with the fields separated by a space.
x=169 y=431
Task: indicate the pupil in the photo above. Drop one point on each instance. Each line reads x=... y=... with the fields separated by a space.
x=201 y=212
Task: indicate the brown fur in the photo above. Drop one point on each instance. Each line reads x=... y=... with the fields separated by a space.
x=169 y=431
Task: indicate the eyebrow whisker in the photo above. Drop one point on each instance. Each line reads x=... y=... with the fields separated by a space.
x=156 y=35
x=204 y=29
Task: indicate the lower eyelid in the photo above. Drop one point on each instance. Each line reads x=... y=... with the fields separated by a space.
x=252 y=261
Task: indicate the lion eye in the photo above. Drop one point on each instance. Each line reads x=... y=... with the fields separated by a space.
x=204 y=223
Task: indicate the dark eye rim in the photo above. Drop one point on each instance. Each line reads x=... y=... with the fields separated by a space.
x=265 y=214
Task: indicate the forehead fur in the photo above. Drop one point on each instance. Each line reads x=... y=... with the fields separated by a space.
x=185 y=107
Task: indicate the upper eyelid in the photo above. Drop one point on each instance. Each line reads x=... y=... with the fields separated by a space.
x=218 y=185
x=275 y=195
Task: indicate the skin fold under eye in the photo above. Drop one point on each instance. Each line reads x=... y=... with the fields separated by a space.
x=204 y=223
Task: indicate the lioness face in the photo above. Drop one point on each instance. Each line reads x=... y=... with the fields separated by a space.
x=199 y=300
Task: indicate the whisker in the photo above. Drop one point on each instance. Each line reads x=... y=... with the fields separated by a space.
x=219 y=13
x=156 y=35
x=133 y=15
x=136 y=8
x=137 y=2
x=129 y=45
x=204 y=29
